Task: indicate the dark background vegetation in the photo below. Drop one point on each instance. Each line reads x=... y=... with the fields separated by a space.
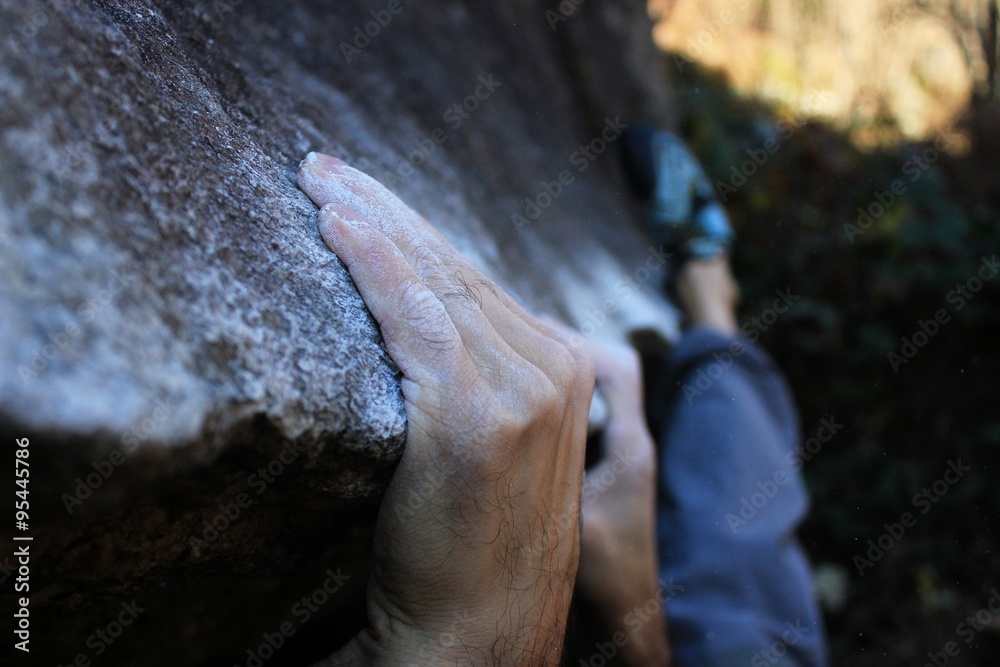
x=858 y=300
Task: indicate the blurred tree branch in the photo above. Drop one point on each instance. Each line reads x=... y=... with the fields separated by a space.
x=992 y=43
x=968 y=18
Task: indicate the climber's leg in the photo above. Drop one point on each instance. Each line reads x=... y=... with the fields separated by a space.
x=731 y=496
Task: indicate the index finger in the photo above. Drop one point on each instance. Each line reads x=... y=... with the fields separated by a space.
x=419 y=335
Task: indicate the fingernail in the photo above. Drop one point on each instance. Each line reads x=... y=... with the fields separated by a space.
x=327 y=163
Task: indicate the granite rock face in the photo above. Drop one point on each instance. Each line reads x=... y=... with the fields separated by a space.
x=211 y=415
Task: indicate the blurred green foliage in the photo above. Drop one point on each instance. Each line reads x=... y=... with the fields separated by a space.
x=861 y=294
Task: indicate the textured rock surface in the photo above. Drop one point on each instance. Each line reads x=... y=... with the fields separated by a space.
x=174 y=334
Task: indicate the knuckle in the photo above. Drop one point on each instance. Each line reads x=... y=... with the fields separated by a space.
x=546 y=396
x=569 y=368
x=416 y=297
x=423 y=259
x=532 y=400
x=422 y=311
x=541 y=397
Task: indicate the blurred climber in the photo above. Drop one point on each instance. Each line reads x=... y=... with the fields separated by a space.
x=744 y=595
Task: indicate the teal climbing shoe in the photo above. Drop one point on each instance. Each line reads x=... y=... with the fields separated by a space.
x=684 y=213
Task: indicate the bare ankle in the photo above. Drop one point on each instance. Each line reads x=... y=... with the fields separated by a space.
x=709 y=293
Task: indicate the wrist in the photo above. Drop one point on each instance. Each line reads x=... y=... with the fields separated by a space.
x=468 y=639
x=368 y=650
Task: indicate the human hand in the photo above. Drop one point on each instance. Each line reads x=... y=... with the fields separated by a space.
x=618 y=567
x=480 y=519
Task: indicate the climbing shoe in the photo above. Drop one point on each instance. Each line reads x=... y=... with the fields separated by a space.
x=684 y=214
